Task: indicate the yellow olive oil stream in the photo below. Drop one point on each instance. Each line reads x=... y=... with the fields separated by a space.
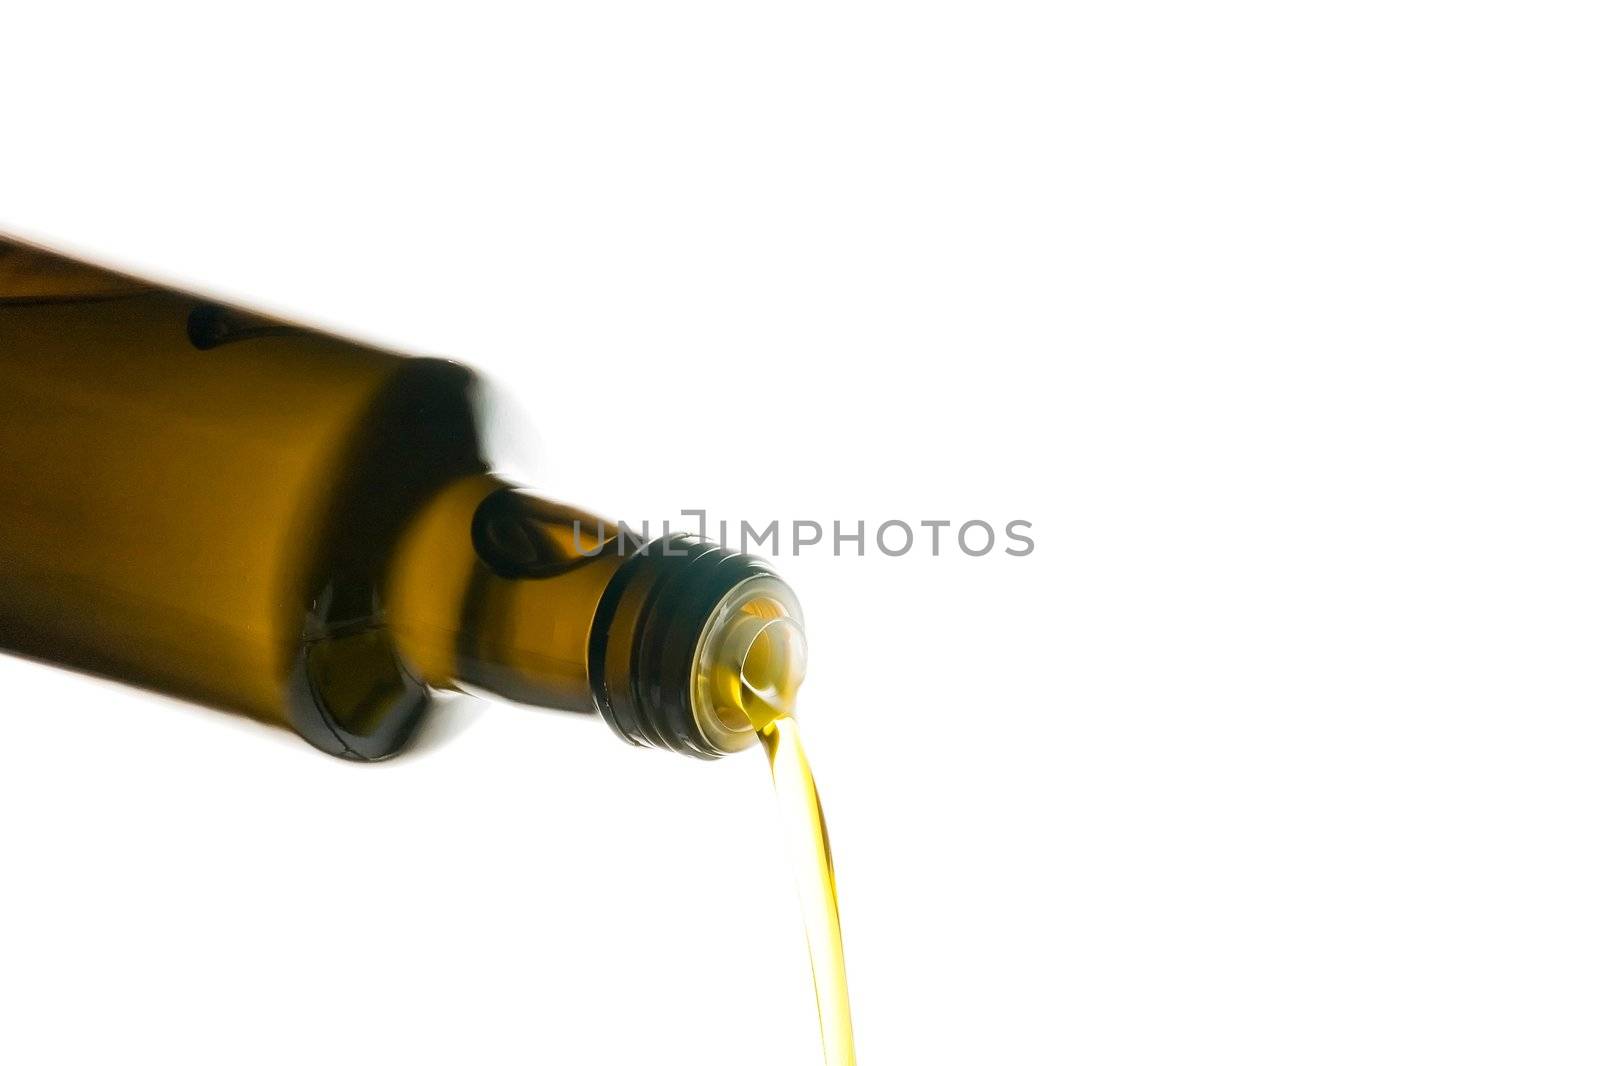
x=752 y=662
x=806 y=833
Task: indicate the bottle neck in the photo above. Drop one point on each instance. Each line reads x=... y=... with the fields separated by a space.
x=677 y=643
x=490 y=588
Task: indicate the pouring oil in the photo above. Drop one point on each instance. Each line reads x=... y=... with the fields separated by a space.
x=276 y=521
x=751 y=664
x=806 y=832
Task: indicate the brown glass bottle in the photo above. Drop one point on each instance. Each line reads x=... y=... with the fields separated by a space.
x=280 y=522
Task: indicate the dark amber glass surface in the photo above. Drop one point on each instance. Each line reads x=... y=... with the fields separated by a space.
x=204 y=501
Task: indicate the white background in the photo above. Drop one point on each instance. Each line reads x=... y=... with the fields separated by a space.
x=1277 y=321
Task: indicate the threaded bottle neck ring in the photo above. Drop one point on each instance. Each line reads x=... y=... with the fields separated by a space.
x=646 y=634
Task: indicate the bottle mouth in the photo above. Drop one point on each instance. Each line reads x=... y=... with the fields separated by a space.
x=750 y=662
x=695 y=648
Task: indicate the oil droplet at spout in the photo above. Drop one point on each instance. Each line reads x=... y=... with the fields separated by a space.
x=806 y=835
